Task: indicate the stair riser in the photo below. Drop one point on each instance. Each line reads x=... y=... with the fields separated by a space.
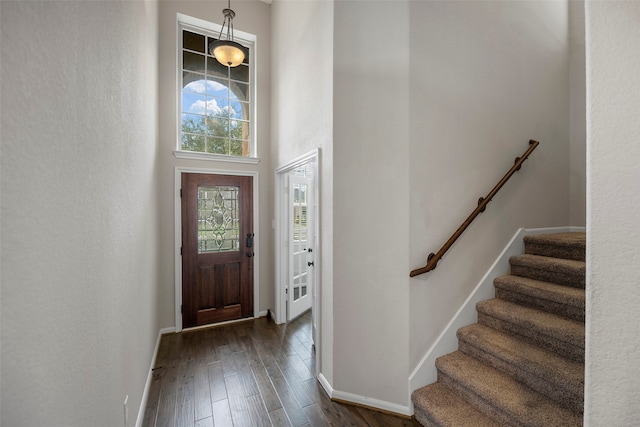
x=558 y=391
x=570 y=312
x=574 y=279
x=565 y=252
x=423 y=418
x=477 y=401
x=525 y=332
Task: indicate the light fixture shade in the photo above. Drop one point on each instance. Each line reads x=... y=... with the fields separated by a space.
x=227 y=52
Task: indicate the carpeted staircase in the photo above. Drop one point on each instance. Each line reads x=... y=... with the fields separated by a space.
x=522 y=364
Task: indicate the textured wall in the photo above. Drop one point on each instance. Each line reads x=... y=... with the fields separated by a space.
x=613 y=215
x=79 y=228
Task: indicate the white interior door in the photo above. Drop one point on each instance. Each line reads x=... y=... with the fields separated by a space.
x=301 y=245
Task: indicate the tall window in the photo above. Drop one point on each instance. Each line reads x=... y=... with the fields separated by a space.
x=216 y=101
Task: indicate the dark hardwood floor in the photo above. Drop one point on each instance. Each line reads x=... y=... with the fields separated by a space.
x=252 y=373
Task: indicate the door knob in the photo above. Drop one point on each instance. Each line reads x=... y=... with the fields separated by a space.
x=310 y=263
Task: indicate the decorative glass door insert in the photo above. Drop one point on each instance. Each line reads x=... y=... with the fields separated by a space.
x=218 y=219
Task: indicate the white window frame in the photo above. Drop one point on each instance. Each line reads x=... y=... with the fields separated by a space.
x=189 y=23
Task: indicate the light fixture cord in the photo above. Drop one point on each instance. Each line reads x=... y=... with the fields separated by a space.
x=228 y=21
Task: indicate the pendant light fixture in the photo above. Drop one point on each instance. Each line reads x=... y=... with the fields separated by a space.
x=227 y=52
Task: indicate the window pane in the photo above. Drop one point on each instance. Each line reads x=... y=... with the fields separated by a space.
x=193 y=41
x=236 y=148
x=193 y=62
x=218 y=127
x=240 y=130
x=218 y=146
x=214 y=68
x=217 y=87
x=192 y=103
x=239 y=91
x=240 y=73
x=193 y=123
x=237 y=130
x=193 y=142
x=239 y=110
x=193 y=82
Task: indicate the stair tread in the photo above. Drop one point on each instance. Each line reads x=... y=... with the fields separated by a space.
x=546 y=262
x=509 y=397
x=571 y=239
x=543 y=290
x=557 y=327
x=445 y=408
x=564 y=373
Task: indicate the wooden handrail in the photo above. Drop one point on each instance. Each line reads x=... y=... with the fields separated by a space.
x=432 y=259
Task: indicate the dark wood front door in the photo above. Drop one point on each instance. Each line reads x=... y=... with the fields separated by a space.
x=217 y=248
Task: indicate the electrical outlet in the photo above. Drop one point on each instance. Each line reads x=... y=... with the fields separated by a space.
x=126 y=410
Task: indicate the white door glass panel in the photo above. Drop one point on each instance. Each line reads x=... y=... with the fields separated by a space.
x=301 y=247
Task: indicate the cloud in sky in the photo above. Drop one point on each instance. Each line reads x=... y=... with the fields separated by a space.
x=205 y=86
x=209 y=106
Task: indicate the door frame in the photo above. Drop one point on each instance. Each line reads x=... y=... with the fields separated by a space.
x=281 y=252
x=178 y=171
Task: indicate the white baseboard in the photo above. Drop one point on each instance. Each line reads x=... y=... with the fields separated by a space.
x=145 y=394
x=363 y=400
x=425 y=372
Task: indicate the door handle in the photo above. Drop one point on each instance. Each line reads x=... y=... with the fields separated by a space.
x=310 y=263
x=249 y=240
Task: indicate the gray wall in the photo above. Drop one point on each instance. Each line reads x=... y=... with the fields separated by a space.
x=79 y=210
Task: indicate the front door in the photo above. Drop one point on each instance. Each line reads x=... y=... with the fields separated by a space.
x=301 y=241
x=217 y=248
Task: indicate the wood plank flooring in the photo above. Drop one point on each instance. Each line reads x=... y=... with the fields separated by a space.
x=252 y=373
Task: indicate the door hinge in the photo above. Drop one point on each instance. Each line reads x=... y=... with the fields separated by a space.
x=181 y=193
x=180 y=250
x=181 y=307
x=286 y=291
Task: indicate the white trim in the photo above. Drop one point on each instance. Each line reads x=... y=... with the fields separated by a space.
x=147 y=385
x=447 y=342
x=194 y=155
x=299 y=161
x=363 y=400
x=178 y=171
